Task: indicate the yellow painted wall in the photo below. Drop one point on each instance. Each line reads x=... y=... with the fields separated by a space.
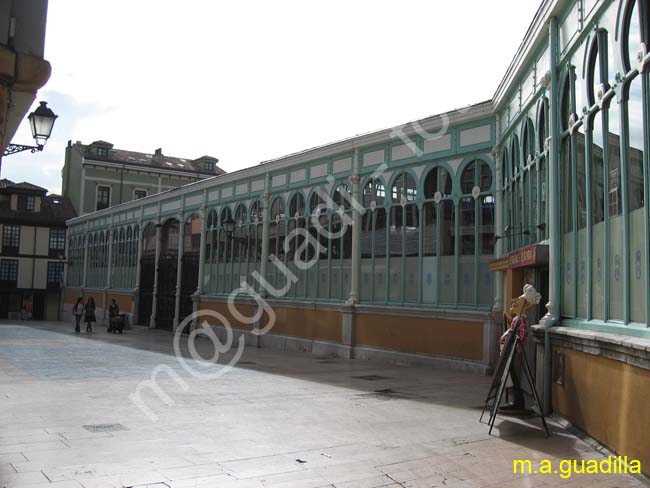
x=123 y=300
x=451 y=338
x=322 y=325
x=608 y=400
x=70 y=295
x=222 y=308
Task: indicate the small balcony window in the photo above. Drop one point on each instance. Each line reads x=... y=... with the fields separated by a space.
x=103 y=197
x=10 y=239
x=26 y=202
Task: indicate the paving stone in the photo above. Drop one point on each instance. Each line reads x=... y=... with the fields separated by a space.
x=282 y=420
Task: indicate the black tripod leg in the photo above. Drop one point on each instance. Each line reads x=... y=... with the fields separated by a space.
x=502 y=386
x=531 y=382
x=490 y=396
x=498 y=373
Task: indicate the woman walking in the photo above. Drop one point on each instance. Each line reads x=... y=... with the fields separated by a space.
x=90 y=315
x=78 y=312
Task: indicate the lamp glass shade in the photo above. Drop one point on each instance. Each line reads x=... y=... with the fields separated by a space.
x=41 y=122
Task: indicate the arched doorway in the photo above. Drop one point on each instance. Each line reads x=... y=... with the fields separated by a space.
x=167 y=269
x=190 y=264
x=147 y=270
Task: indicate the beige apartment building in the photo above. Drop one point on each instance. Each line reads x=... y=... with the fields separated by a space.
x=32 y=251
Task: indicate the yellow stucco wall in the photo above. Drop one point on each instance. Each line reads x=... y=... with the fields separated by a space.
x=319 y=324
x=451 y=338
x=608 y=400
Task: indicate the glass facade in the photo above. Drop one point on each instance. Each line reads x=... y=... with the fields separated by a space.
x=602 y=166
x=427 y=210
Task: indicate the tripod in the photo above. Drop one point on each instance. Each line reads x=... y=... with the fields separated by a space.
x=503 y=369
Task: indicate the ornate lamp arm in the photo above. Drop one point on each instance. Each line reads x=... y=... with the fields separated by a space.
x=16 y=148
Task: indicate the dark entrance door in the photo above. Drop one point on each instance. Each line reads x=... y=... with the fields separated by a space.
x=190 y=264
x=147 y=270
x=188 y=284
x=167 y=269
x=166 y=296
x=146 y=289
x=38 y=310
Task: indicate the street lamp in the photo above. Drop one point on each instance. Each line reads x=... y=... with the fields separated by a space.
x=41 y=122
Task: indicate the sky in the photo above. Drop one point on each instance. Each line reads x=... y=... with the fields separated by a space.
x=252 y=80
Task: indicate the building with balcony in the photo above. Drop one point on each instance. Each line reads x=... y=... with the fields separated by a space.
x=96 y=176
x=22 y=67
x=32 y=251
x=407 y=244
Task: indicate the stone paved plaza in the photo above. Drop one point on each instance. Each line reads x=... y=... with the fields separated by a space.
x=275 y=420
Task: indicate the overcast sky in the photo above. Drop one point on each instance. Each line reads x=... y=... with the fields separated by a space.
x=247 y=81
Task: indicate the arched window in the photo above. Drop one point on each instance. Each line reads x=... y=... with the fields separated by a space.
x=437 y=181
x=296 y=237
x=404 y=240
x=373 y=242
x=169 y=238
x=476 y=232
x=297 y=205
x=514 y=156
x=528 y=142
x=528 y=184
x=404 y=188
x=256 y=213
x=225 y=250
x=374 y=191
x=438 y=236
x=318 y=227
x=277 y=235
x=239 y=246
x=192 y=235
x=211 y=250
x=542 y=174
x=132 y=239
x=636 y=30
x=340 y=242
x=256 y=216
x=149 y=237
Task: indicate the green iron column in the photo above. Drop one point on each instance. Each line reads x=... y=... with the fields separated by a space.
x=154 y=295
x=555 y=231
x=356 y=207
x=498 y=295
x=179 y=268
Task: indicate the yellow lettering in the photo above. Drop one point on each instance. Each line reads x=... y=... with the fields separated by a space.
x=592 y=466
x=545 y=467
x=518 y=466
x=606 y=465
x=579 y=468
x=635 y=466
x=565 y=468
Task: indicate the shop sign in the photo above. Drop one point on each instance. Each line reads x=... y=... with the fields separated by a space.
x=524 y=257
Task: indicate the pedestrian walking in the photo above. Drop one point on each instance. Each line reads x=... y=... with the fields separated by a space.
x=90 y=315
x=78 y=311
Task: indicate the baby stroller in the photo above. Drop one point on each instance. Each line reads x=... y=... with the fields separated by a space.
x=116 y=325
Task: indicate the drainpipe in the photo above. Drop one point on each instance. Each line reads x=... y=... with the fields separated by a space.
x=555 y=231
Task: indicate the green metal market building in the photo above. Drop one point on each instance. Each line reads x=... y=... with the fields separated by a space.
x=449 y=216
